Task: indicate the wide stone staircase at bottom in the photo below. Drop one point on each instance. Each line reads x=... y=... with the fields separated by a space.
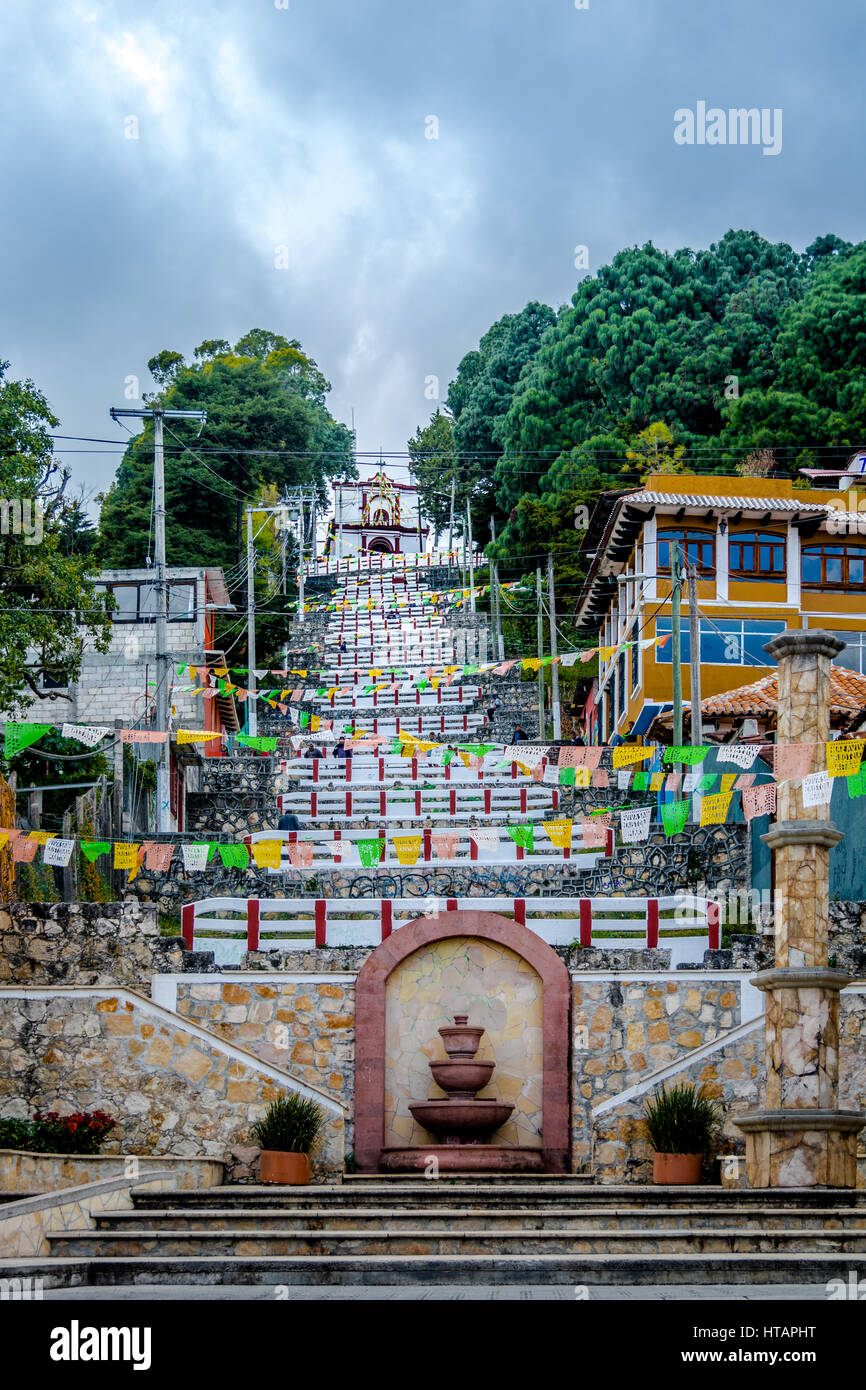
x=457 y=1230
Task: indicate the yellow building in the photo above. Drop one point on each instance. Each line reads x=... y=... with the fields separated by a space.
x=768 y=556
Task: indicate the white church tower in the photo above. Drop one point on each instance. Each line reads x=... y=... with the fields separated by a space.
x=376 y=515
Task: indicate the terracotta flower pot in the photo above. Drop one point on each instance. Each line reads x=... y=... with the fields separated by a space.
x=290 y=1169
x=677 y=1169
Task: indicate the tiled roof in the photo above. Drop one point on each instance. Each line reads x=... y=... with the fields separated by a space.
x=847 y=695
x=739 y=504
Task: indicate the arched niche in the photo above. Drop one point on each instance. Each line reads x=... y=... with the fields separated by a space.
x=370 y=1025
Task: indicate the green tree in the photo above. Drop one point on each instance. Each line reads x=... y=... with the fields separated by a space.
x=267 y=424
x=434 y=464
x=49 y=602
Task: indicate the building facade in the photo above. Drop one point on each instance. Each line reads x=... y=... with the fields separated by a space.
x=768 y=555
x=376 y=515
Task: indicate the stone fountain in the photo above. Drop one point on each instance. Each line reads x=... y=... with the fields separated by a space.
x=461 y=1121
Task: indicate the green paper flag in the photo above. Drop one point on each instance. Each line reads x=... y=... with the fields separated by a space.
x=566 y=776
x=478 y=750
x=303 y=719
x=421 y=685
x=707 y=782
x=260 y=741
x=857 y=783
x=323 y=690
x=347 y=729
x=685 y=753
x=370 y=851
x=641 y=781
x=234 y=856
x=92 y=849
x=522 y=835
x=674 y=816
x=447 y=757
x=20 y=736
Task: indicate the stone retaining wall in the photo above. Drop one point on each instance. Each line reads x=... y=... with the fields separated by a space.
x=85 y=943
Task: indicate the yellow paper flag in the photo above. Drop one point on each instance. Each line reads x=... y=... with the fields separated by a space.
x=582 y=777
x=559 y=831
x=195 y=735
x=125 y=856
x=844 y=757
x=626 y=753
x=714 y=809
x=728 y=780
x=656 y=781
x=408 y=848
x=267 y=853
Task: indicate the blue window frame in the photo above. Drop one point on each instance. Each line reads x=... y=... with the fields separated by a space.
x=729 y=642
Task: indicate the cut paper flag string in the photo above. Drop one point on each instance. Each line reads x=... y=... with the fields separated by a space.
x=88 y=734
x=817 y=789
x=844 y=757
x=267 y=853
x=685 y=753
x=559 y=832
x=370 y=851
x=300 y=854
x=17 y=737
x=92 y=849
x=675 y=814
x=714 y=809
x=741 y=754
x=759 y=801
x=634 y=825
x=407 y=848
x=522 y=835
x=58 y=852
x=444 y=843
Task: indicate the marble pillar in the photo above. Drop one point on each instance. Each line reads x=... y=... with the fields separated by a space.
x=800 y=1138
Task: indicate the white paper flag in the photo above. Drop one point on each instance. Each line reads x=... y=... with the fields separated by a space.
x=486 y=839
x=691 y=780
x=58 y=852
x=623 y=779
x=195 y=857
x=817 y=789
x=742 y=754
x=345 y=850
x=88 y=734
x=635 y=825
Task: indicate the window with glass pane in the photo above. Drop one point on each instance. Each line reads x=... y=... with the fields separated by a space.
x=757 y=555
x=635 y=659
x=622 y=698
x=147 y=602
x=834 y=566
x=126 y=599
x=698 y=547
x=181 y=602
x=853 y=658
x=726 y=642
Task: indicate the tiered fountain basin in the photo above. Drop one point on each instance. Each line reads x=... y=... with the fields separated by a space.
x=462 y=1122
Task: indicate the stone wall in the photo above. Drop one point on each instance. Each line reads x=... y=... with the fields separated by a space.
x=733 y=1076
x=172 y=1089
x=85 y=943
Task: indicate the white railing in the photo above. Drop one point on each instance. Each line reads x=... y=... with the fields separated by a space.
x=381 y=562
x=441 y=804
x=365 y=768
x=336 y=849
x=231 y=926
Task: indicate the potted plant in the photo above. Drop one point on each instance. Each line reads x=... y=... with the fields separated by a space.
x=286 y=1135
x=681 y=1124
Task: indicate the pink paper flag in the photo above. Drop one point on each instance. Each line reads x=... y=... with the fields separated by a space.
x=300 y=854
x=444 y=843
x=672 y=784
x=594 y=832
x=745 y=779
x=793 y=760
x=601 y=777
x=759 y=801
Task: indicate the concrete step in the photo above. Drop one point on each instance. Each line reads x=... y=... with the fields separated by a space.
x=627 y=1269
x=516 y=1193
x=444 y=1218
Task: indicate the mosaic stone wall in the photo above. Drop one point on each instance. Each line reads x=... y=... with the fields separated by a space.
x=499 y=991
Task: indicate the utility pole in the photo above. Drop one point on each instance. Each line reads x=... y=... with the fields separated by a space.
x=469 y=564
x=451 y=520
x=540 y=637
x=494 y=589
x=163 y=658
x=554 y=669
x=697 y=736
x=676 y=644
x=252 y=711
x=340 y=531
x=301 y=564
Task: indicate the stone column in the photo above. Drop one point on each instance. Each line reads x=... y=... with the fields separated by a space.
x=801 y=1138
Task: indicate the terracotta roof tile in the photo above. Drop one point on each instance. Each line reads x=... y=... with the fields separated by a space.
x=847 y=695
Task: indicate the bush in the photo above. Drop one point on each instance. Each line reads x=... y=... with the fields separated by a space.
x=292 y=1124
x=681 y=1120
x=50 y=1133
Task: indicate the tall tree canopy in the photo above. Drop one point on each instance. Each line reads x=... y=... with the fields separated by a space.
x=267 y=424
x=49 y=604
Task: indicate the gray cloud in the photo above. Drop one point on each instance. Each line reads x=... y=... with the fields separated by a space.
x=305 y=128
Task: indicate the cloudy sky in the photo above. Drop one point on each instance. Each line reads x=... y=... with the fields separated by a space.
x=306 y=128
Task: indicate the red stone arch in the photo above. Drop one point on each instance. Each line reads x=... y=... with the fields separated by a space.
x=370 y=1026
